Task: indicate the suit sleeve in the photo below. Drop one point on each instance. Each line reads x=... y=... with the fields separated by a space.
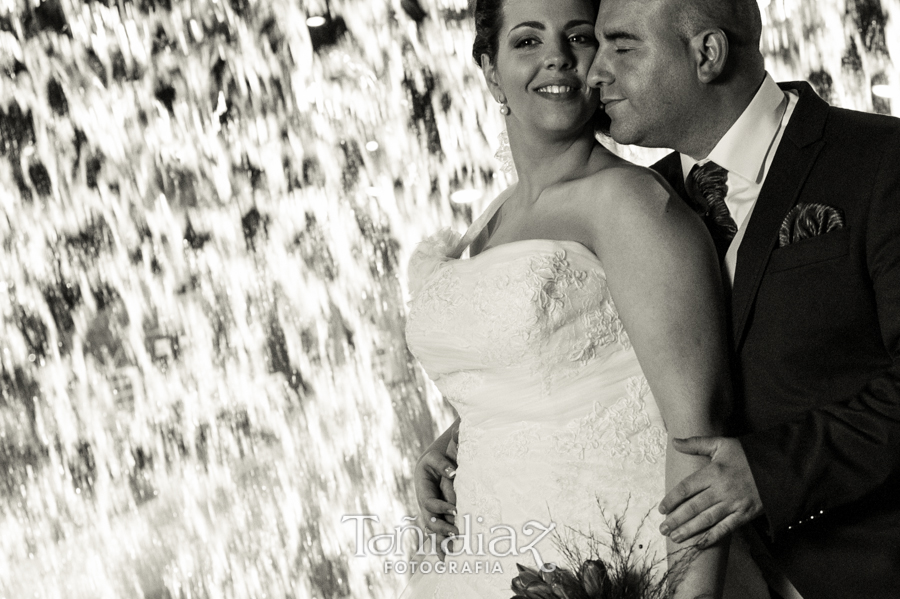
x=839 y=453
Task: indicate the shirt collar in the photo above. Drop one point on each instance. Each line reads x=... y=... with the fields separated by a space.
x=744 y=148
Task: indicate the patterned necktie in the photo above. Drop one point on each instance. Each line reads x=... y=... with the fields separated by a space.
x=707 y=186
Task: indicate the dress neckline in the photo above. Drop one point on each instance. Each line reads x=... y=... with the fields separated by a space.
x=567 y=243
x=485 y=217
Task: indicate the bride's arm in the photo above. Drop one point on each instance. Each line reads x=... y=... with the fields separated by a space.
x=665 y=281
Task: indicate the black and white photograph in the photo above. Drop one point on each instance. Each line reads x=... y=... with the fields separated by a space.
x=450 y=299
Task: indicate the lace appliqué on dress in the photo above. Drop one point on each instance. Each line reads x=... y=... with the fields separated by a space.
x=621 y=430
x=552 y=278
x=602 y=327
x=520 y=440
x=484 y=502
x=433 y=307
x=505 y=335
x=579 y=342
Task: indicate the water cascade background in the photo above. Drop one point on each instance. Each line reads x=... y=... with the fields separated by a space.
x=208 y=206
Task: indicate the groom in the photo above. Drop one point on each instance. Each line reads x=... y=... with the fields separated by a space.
x=803 y=201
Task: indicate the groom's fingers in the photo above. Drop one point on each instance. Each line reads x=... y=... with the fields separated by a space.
x=438 y=464
x=453 y=445
x=449 y=493
x=439 y=507
x=687 y=488
x=435 y=505
x=687 y=511
x=435 y=519
x=430 y=470
x=684 y=526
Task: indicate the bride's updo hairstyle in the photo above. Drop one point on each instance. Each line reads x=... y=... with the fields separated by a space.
x=488 y=16
x=488 y=22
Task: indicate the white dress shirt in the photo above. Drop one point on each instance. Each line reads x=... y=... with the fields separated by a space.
x=746 y=151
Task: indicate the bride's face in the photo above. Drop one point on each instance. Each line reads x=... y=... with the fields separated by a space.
x=544 y=51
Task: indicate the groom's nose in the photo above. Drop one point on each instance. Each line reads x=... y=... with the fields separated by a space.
x=599 y=72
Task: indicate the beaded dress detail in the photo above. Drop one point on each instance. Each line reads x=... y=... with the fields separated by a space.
x=556 y=415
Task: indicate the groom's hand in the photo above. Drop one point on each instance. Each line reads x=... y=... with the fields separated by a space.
x=715 y=500
x=433 y=480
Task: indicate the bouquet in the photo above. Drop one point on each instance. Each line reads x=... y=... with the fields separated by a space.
x=625 y=573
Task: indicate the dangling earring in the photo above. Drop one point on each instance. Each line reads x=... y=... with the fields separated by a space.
x=504 y=109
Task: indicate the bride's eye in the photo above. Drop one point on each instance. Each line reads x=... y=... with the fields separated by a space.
x=581 y=38
x=527 y=42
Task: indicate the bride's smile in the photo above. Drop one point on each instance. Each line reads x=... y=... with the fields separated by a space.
x=539 y=71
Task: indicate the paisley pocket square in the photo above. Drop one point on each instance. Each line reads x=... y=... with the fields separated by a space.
x=806 y=221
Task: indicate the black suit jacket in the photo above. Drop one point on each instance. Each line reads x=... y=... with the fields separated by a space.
x=816 y=339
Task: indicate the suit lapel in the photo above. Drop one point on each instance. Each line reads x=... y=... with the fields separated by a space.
x=793 y=161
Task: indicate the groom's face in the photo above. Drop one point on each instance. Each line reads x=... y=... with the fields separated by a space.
x=644 y=71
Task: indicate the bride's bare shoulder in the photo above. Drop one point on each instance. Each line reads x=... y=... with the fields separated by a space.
x=627 y=199
x=623 y=183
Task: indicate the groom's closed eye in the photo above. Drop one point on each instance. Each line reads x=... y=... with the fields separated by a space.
x=621 y=39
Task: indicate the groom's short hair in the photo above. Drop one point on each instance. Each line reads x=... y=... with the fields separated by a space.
x=739 y=19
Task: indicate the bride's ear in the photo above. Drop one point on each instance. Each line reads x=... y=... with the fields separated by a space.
x=490 y=77
x=710 y=51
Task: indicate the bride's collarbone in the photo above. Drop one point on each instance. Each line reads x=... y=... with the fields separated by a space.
x=550 y=226
x=557 y=214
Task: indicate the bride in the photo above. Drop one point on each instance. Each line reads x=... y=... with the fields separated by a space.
x=582 y=334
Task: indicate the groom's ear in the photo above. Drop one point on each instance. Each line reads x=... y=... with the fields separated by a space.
x=490 y=77
x=710 y=51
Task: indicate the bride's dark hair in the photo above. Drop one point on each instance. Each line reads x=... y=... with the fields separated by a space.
x=488 y=16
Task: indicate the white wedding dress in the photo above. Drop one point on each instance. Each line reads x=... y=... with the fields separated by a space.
x=558 y=424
